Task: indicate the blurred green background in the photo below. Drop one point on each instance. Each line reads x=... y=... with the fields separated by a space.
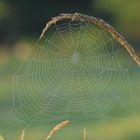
x=21 y=23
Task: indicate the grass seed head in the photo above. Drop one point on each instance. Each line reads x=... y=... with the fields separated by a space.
x=56 y=128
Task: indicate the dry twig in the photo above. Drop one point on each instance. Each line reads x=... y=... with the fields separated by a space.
x=96 y=21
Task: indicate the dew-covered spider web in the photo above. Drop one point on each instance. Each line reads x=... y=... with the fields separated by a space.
x=77 y=71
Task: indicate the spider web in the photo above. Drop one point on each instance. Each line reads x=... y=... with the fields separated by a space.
x=77 y=71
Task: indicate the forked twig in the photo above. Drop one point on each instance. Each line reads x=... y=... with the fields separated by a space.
x=97 y=21
x=56 y=128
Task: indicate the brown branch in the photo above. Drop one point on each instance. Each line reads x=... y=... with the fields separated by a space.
x=97 y=21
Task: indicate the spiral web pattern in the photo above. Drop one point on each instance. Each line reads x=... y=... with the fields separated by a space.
x=77 y=71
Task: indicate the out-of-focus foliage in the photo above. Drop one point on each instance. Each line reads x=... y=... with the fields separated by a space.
x=21 y=18
x=124 y=12
x=4 y=9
